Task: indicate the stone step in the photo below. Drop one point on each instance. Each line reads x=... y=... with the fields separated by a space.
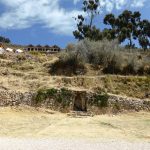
x=80 y=114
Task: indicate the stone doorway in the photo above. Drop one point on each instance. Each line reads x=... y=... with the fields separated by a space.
x=80 y=102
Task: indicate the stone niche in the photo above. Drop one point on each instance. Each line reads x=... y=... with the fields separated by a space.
x=80 y=101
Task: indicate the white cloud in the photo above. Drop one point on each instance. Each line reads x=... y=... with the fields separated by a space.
x=21 y=14
x=26 y=13
x=76 y=1
x=109 y=5
x=138 y=3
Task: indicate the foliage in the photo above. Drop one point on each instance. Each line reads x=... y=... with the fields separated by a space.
x=84 y=29
x=40 y=96
x=101 y=99
x=144 y=34
x=112 y=58
x=68 y=64
x=51 y=92
x=128 y=25
x=21 y=57
x=62 y=96
x=4 y=40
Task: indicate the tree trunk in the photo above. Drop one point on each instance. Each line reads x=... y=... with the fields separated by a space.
x=130 y=42
x=91 y=20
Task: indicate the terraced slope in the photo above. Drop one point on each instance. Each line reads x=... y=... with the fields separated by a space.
x=30 y=72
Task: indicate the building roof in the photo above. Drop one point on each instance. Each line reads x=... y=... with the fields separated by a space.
x=47 y=46
x=38 y=45
x=30 y=45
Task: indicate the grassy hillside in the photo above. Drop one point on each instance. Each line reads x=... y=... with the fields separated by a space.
x=30 y=72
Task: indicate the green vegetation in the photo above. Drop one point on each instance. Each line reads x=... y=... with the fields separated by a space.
x=132 y=86
x=60 y=97
x=43 y=94
x=106 y=55
x=64 y=97
x=40 y=96
x=21 y=58
x=101 y=100
x=84 y=29
x=68 y=64
x=127 y=26
x=4 y=39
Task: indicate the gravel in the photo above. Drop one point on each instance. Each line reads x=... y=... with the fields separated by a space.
x=70 y=144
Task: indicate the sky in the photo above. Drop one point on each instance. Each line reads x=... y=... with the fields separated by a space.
x=52 y=21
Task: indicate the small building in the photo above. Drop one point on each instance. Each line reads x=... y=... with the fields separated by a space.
x=46 y=48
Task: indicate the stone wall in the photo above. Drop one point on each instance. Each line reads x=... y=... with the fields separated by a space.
x=12 y=98
x=77 y=100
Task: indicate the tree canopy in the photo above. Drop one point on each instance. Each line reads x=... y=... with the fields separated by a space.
x=85 y=27
x=128 y=26
x=4 y=40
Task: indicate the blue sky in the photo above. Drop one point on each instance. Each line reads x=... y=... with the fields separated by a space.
x=51 y=21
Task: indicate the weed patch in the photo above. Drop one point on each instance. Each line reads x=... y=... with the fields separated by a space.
x=99 y=100
x=60 y=97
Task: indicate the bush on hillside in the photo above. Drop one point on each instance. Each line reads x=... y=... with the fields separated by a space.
x=3 y=56
x=68 y=64
x=21 y=57
x=108 y=54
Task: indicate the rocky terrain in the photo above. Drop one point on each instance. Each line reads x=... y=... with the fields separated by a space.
x=24 y=75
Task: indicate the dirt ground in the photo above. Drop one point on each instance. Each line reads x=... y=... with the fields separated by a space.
x=40 y=123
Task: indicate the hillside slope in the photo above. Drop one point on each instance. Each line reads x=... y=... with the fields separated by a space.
x=30 y=72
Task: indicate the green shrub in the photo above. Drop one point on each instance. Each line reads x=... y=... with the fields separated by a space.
x=64 y=97
x=113 y=66
x=113 y=58
x=40 y=96
x=21 y=57
x=51 y=92
x=101 y=100
x=61 y=97
x=68 y=64
x=43 y=94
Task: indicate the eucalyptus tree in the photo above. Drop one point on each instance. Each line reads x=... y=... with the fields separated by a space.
x=4 y=39
x=85 y=27
x=144 y=34
x=123 y=27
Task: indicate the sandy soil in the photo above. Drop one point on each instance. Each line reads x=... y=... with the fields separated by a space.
x=27 y=128
x=29 y=122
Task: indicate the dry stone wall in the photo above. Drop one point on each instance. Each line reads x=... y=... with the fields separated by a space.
x=12 y=98
x=78 y=100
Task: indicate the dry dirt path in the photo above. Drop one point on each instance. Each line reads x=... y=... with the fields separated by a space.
x=26 y=128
